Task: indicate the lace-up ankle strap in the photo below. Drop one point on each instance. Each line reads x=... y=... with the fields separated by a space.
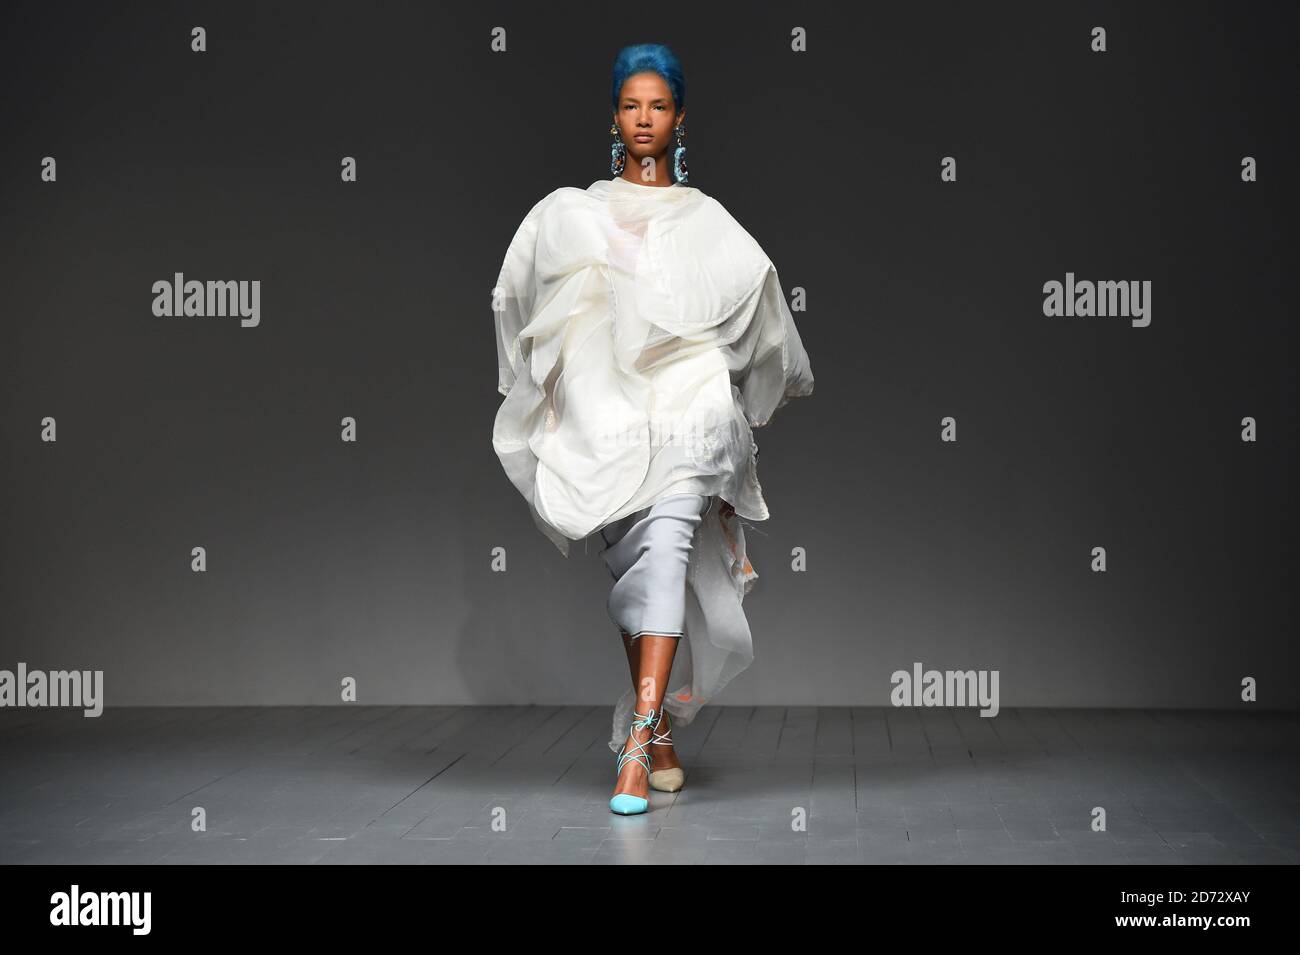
x=663 y=739
x=639 y=753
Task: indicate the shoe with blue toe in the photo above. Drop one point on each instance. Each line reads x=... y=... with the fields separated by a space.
x=628 y=804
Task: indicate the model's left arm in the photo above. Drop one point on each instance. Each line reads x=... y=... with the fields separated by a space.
x=777 y=366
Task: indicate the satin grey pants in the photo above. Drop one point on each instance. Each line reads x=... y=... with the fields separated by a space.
x=647 y=553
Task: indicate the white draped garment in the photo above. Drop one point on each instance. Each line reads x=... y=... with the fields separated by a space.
x=641 y=335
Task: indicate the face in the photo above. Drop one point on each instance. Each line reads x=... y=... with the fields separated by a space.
x=647 y=116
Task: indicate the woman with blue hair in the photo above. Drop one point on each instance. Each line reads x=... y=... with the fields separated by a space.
x=648 y=73
x=642 y=335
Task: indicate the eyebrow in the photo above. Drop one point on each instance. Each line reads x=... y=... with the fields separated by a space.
x=633 y=99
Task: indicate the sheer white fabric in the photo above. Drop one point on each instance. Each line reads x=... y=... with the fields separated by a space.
x=641 y=335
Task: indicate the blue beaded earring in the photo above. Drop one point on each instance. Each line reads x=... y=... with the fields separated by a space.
x=617 y=151
x=679 y=155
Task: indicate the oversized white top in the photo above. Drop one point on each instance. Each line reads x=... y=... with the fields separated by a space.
x=641 y=334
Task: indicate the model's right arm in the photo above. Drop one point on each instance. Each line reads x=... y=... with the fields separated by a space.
x=512 y=301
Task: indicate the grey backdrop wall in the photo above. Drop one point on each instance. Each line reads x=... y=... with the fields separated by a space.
x=371 y=559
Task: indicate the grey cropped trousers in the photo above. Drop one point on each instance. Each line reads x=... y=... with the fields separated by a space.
x=647 y=553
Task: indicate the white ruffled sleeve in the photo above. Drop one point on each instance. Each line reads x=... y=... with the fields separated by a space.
x=776 y=366
x=512 y=299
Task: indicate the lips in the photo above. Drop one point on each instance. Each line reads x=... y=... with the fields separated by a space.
x=643 y=137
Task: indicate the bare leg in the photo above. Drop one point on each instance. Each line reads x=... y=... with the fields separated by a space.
x=663 y=755
x=654 y=662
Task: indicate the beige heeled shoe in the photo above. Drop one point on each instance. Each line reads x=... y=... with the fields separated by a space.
x=665 y=780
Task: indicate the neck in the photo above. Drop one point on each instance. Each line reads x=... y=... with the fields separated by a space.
x=663 y=177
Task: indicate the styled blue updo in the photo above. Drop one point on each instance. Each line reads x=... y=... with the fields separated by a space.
x=656 y=58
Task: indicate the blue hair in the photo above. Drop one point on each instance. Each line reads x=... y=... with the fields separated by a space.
x=653 y=57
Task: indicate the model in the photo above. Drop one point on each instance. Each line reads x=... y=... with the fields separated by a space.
x=641 y=335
